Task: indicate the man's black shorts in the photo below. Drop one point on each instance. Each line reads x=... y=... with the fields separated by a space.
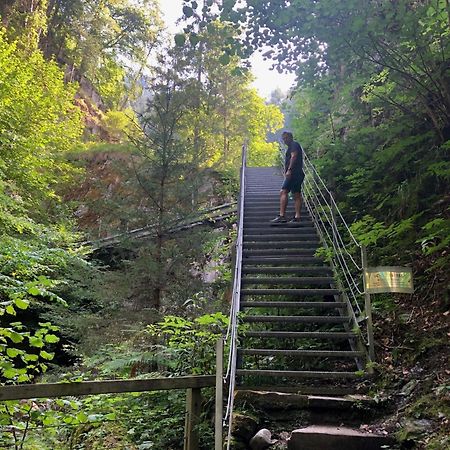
x=293 y=183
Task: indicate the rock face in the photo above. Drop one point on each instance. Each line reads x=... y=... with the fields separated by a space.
x=335 y=438
x=262 y=440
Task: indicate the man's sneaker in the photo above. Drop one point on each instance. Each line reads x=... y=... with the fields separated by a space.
x=279 y=219
x=295 y=220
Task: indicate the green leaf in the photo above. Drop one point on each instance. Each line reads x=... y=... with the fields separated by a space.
x=21 y=303
x=194 y=39
x=10 y=310
x=15 y=337
x=10 y=373
x=36 y=342
x=180 y=39
x=82 y=417
x=33 y=290
x=51 y=338
x=13 y=352
x=46 y=355
x=224 y=59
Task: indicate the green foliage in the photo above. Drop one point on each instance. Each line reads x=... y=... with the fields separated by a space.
x=191 y=341
x=38 y=122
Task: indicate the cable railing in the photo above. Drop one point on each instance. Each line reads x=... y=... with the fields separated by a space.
x=231 y=337
x=340 y=247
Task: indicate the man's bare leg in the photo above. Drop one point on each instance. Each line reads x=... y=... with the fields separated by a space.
x=298 y=204
x=283 y=202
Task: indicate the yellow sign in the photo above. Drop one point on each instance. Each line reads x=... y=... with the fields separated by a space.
x=388 y=279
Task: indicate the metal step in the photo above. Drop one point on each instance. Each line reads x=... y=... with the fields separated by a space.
x=321 y=292
x=294 y=304
x=296 y=374
x=280 y=244
x=279 y=252
x=304 y=233
x=296 y=319
x=307 y=353
x=337 y=335
x=287 y=270
x=252 y=223
x=265 y=260
x=287 y=280
x=272 y=238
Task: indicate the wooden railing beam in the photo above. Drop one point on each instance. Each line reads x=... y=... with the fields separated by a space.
x=49 y=390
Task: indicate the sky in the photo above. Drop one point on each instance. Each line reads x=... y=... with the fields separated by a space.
x=266 y=80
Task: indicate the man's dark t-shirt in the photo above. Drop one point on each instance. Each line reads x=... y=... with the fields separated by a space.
x=297 y=169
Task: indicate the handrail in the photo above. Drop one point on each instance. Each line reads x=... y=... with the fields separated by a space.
x=231 y=336
x=146 y=231
x=347 y=254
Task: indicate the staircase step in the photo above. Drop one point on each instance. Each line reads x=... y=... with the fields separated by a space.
x=292 y=304
x=272 y=213
x=280 y=244
x=265 y=260
x=287 y=280
x=295 y=374
x=287 y=270
x=309 y=353
x=302 y=334
x=321 y=292
x=301 y=389
x=254 y=223
x=272 y=238
x=296 y=319
x=279 y=252
x=301 y=233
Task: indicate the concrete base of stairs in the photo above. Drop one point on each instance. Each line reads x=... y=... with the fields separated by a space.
x=321 y=437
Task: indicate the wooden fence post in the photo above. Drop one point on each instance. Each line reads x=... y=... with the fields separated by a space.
x=193 y=411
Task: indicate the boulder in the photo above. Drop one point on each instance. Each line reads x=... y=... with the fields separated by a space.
x=262 y=440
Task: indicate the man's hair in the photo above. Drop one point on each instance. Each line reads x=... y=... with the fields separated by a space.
x=287 y=133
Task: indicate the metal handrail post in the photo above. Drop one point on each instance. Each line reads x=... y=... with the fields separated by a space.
x=218 y=422
x=367 y=307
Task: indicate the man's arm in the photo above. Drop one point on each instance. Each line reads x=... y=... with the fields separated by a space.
x=294 y=156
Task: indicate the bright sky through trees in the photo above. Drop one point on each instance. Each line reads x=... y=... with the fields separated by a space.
x=267 y=80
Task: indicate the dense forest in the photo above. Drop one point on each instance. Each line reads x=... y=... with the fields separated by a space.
x=108 y=124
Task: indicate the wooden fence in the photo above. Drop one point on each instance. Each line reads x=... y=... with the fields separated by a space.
x=193 y=385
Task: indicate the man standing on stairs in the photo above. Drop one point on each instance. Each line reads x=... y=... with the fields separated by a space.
x=293 y=178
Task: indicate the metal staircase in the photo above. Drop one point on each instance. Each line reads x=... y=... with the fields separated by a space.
x=300 y=319
x=295 y=324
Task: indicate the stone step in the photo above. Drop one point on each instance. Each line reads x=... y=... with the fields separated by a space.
x=325 y=437
x=302 y=389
